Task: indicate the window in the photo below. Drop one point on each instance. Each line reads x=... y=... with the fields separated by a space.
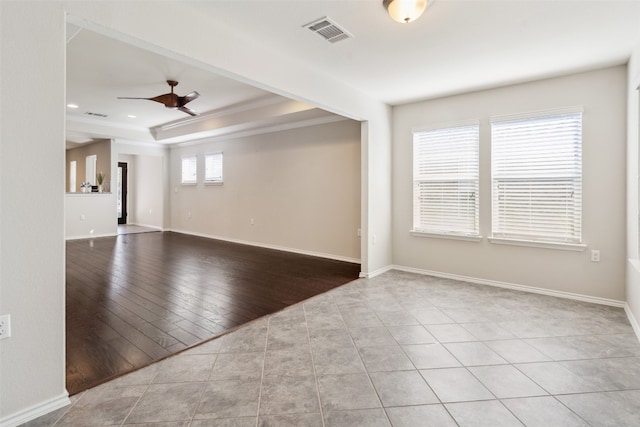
x=189 y=170
x=537 y=177
x=445 y=180
x=72 y=176
x=90 y=169
x=213 y=168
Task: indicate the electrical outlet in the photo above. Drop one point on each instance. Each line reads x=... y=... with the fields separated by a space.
x=595 y=256
x=5 y=326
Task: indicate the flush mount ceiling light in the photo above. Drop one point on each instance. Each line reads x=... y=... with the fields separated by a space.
x=405 y=11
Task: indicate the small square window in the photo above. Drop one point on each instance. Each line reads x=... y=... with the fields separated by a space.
x=189 y=170
x=213 y=168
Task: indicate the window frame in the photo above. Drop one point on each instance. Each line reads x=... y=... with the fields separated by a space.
x=572 y=174
x=472 y=176
x=195 y=169
x=214 y=181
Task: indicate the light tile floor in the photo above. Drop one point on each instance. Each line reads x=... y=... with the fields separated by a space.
x=400 y=349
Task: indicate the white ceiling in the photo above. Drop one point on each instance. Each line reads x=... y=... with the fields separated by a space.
x=456 y=46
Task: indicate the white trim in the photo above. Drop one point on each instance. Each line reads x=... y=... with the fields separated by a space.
x=452 y=236
x=445 y=125
x=523 y=288
x=267 y=246
x=36 y=411
x=91 y=236
x=90 y=194
x=375 y=273
x=155 y=227
x=534 y=114
x=632 y=320
x=576 y=247
x=204 y=138
x=233 y=109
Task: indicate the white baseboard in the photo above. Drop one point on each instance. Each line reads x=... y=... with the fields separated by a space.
x=267 y=246
x=155 y=227
x=35 y=411
x=632 y=320
x=91 y=236
x=524 y=288
x=376 y=272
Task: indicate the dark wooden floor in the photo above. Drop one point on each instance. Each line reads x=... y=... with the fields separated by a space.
x=136 y=298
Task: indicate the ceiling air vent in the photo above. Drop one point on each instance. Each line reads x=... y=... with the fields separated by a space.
x=328 y=29
x=89 y=113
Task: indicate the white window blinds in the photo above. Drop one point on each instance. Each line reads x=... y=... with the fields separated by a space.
x=445 y=180
x=537 y=178
x=189 y=170
x=213 y=168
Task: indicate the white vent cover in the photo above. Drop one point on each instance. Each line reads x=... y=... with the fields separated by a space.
x=328 y=29
x=90 y=113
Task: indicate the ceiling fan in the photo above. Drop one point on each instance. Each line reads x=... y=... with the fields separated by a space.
x=172 y=100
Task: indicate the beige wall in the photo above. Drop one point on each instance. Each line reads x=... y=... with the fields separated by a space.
x=602 y=93
x=145 y=190
x=301 y=188
x=102 y=151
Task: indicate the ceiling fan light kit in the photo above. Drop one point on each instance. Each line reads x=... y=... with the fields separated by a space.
x=405 y=11
x=172 y=100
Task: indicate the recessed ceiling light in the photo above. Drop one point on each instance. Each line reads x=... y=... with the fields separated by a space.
x=131 y=116
x=72 y=106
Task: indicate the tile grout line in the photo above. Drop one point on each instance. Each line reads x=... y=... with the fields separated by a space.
x=313 y=365
x=386 y=327
x=67 y=410
x=364 y=364
x=264 y=361
x=204 y=389
x=139 y=398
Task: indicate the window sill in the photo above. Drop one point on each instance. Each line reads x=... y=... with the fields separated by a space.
x=576 y=247
x=451 y=236
x=189 y=184
x=214 y=183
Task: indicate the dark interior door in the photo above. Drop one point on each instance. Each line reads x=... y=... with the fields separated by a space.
x=122 y=193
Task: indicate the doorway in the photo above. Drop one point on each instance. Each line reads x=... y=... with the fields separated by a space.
x=122 y=193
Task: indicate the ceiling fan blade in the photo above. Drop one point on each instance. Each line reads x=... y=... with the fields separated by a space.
x=189 y=97
x=172 y=100
x=187 y=110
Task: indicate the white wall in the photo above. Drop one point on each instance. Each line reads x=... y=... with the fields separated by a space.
x=301 y=187
x=148 y=200
x=633 y=190
x=32 y=187
x=603 y=95
x=145 y=189
x=147 y=177
x=32 y=226
x=90 y=215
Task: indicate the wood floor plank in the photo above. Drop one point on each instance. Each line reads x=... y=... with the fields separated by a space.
x=137 y=298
